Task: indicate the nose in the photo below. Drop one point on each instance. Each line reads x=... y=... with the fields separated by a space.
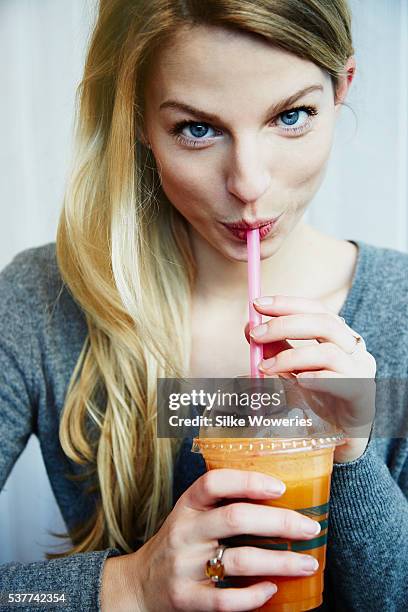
x=248 y=177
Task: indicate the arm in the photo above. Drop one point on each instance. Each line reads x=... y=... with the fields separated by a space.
x=367 y=563
x=78 y=576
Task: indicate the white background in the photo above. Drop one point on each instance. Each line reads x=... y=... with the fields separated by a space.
x=42 y=45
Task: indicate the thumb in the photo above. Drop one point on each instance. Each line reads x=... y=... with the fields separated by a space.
x=270 y=348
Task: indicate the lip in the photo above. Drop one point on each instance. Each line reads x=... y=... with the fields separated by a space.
x=239 y=230
x=247 y=225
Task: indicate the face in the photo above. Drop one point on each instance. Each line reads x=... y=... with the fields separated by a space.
x=241 y=131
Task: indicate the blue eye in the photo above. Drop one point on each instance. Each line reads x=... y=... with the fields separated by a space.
x=290 y=119
x=194 y=133
x=197 y=130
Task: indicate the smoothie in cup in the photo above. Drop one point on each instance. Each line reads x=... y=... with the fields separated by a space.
x=305 y=466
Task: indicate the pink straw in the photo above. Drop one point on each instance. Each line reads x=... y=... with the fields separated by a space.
x=254 y=291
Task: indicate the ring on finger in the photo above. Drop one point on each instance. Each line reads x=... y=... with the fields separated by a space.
x=214 y=568
x=358 y=341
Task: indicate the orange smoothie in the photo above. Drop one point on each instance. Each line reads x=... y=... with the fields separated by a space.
x=306 y=472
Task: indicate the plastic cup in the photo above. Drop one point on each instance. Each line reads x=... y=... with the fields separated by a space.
x=305 y=466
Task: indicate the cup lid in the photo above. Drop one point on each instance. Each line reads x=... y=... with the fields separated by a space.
x=266 y=445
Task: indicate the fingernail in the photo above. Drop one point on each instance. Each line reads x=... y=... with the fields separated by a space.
x=259 y=331
x=309 y=564
x=310 y=527
x=268 y=363
x=274 y=488
x=264 y=301
x=270 y=590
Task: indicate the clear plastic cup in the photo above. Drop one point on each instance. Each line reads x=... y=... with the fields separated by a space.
x=305 y=466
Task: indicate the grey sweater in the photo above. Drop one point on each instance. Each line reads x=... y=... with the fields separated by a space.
x=42 y=330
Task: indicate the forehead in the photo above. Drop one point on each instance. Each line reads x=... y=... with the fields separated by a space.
x=204 y=61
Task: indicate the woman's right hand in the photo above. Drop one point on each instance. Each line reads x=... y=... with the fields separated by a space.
x=168 y=572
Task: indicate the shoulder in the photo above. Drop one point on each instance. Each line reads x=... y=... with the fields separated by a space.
x=31 y=283
x=390 y=264
x=383 y=274
x=41 y=325
x=35 y=268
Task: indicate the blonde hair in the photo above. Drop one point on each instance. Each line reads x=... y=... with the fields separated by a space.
x=124 y=252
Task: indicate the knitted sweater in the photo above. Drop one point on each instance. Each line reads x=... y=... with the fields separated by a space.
x=42 y=331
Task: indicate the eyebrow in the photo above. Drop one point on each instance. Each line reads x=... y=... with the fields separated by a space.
x=273 y=110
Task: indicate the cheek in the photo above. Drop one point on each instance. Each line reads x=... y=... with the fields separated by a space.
x=307 y=162
x=188 y=183
x=180 y=182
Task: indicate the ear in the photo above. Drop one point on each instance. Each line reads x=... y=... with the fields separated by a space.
x=345 y=82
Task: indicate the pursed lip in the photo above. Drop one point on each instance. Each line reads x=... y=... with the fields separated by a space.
x=247 y=225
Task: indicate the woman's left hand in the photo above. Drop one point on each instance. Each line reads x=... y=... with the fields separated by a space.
x=337 y=353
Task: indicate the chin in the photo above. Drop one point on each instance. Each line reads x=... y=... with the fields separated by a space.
x=232 y=253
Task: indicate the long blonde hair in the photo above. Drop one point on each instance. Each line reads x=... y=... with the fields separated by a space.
x=124 y=251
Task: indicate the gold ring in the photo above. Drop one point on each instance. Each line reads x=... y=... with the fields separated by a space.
x=358 y=340
x=214 y=568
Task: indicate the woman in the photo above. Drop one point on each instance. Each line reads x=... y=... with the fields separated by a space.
x=195 y=116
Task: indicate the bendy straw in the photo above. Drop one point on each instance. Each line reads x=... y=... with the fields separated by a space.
x=254 y=291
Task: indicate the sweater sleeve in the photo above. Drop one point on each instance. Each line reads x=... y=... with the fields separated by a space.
x=367 y=554
x=77 y=576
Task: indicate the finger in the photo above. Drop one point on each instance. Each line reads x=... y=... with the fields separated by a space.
x=251 y=561
x=270 y=349
x=326 y=356
x=323 y=327
x=287 y=304
x=326 y=382
x=219 y=484
x=231 y=599
x=337 y=385
x=255 y=519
